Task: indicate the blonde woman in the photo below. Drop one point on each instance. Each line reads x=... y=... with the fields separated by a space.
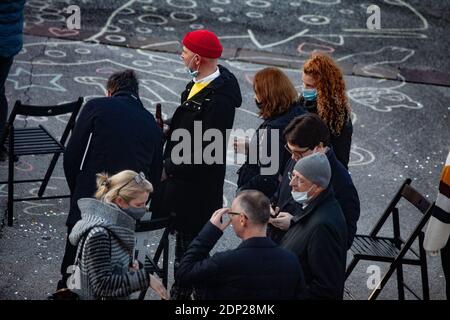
x=105 y=238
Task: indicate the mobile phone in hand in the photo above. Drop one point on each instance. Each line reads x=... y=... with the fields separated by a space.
x=275 y=212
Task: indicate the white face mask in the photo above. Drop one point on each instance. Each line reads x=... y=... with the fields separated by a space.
x=191 y=72
x=300 y=197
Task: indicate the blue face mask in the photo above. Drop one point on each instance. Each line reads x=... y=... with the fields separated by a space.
x=300 y=197
x=193 y=74
x=309 y=94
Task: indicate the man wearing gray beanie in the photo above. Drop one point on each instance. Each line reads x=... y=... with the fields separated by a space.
x=315 y=168
x=318 y=232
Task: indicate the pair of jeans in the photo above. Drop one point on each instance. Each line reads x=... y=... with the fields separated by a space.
x=5 y=66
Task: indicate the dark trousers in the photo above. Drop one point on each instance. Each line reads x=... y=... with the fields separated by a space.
x=68 y=259
x=182 y=243
x=445 y=257
x=5 y=66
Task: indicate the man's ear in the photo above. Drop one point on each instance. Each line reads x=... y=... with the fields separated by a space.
x=243 y=221
x=108 y=93
x=198 y=59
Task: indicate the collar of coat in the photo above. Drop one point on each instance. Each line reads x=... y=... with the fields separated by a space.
x=129 y=93
x=301 y=214
x=257 y=242
x=216 y=83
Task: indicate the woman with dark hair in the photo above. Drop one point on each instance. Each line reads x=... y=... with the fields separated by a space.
x=324 y=94
x=277 y=101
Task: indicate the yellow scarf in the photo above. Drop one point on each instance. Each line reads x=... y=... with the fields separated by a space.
x=196 y=88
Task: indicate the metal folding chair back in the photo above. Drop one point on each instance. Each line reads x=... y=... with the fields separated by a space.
x=393 y=250
x=153 y=263
x=35 y=141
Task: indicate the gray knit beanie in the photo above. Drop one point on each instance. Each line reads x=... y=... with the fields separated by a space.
x=315 y=168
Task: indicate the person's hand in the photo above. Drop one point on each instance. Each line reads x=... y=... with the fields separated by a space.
x=156 y=284
x=274 y=213
x=135 y=266
x=166 y=129
x=282 y=221
x=241 y=145
x=218 y=221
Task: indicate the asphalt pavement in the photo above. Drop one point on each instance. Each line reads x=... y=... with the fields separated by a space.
x=397 y=81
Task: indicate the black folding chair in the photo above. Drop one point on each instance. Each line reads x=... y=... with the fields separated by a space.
x=35 y=141
x=393 y=250
x=152 y=263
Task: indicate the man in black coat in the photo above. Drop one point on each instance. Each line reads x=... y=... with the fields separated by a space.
x=318 y=231
x=112 y=134
x=192 y=185
x=305 y=135
x=256 y=270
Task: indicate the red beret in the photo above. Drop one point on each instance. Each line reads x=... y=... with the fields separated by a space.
x=204 y=43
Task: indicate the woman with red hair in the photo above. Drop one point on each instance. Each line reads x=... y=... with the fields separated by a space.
x=323 y=93
x=278 y=103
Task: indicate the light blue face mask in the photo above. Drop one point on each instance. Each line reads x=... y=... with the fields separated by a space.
x=300 y=197
x=309 y=94
x=193 y=74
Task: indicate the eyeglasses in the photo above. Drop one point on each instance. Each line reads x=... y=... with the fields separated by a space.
x=300 y=154
x=236 y=214
x=139 y=178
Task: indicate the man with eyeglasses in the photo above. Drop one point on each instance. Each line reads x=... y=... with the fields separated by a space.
x=256 y=269
x=306 y=135
x=318 y=232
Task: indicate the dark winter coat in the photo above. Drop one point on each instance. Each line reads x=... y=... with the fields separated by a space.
x=125 y=136
x=250 y=176
x=194 y=191
x=11 y=27
x=318 y=236
x=256 y=270
x=344 y=191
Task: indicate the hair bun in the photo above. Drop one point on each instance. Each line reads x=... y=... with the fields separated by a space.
x=106 y=183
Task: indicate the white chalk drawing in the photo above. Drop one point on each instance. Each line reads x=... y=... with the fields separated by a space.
x=375 y=63
x=314 y=23
x=137 y=16
x=21 y=165
x=49 y=81
x=360 y=156
x=385 y=96
x=383 y=99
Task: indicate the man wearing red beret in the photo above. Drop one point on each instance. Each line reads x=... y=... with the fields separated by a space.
x=193 y=189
